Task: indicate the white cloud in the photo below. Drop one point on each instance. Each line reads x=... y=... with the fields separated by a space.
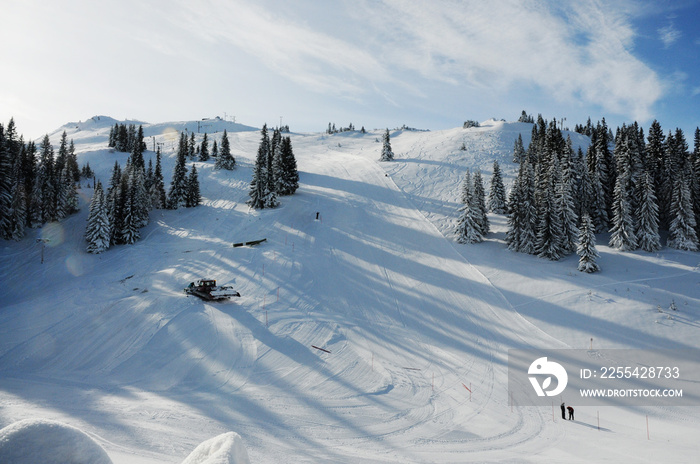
x=576 y=51
x=311 y=58
x=572 y=50
x=669 y=35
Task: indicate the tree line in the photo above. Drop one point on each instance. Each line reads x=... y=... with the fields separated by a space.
x=633 y=186
x=37 y=184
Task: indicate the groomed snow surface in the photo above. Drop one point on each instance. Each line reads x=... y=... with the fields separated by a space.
x=414 y=328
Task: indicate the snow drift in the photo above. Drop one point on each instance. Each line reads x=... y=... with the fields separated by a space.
x=34 y=441
x=227 y=448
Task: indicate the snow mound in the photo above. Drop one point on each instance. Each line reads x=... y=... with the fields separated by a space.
x=34 y=441
x=226 y=448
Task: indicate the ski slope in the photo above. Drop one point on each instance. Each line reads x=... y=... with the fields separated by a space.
x=413 y=329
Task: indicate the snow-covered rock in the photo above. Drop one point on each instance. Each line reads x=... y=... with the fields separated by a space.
x=226 y=448
x=34 y=441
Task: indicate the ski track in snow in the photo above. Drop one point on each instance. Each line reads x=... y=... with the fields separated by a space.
x=111 y=344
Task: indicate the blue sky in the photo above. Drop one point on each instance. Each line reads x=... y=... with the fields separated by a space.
x=374 y=63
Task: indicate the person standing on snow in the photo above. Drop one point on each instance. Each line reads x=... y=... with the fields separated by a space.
x=571 y=412
x=563 y=411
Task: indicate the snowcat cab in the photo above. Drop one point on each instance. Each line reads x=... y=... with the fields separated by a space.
x=208 y=290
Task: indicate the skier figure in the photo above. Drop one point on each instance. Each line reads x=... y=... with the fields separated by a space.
x=563 y=411
x=571 y=412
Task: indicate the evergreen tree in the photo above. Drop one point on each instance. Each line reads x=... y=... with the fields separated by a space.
x=191 y=147
x=130 y=231
x=387 y=154
x=528 y=212
x=478 y=203
x=6 y=182
x=497 y=193
x=695 y=167
x=518 y=149
x=549 y=242
x=98 y=232
x=468 y=231
x=215 y=150
x=287 y=181
x=193 y=193
x=274 y=151
x=565 y=201
x=623 y=230
x=19 y=211
x=588 y=255
x=157 y=191
x=648 y=217
x=466 y=190
x=47 y=181
x=224 y=160
x=61 y=156
x=596 y=202
x=681 y=232
x=515 y=203
x=204 y=149
x=115 y=205
x=258 y=190
x=72 y=162
x=140 y=201
x=178 y=184
x=122 y=138
x=68 y=194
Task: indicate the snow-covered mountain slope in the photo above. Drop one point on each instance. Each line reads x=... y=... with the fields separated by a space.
x=410 y=320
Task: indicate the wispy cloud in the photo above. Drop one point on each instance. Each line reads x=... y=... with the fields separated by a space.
x=311 y=58
x=669 y=35
x=575 y=51
x=572 y=50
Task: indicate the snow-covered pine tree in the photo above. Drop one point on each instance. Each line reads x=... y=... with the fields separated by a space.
x=515 y=201
x=97 y=232
x=695 y=166
x=623 y=235
x=157 y=190
x=224 y=159
x=6 y=182
x=214 y=150
x=204 y=148
x=518 y=149
x=178 y=184
x=141 y=199
x=588 y=255
x=681 y=232
x=466 y=189
x=130 y=230
x=478 y=202
x=387 y=153
x=19 y=211
x=648 y=217
x=566 y=206
x=468 y=231
x=274 y=156
x=113 y=202
x=549 y=242
x=61 y=155
x=72 y=162
x=46 y=177
x=258 y=190
x=192 y=147
x=497 y=193
x=68 y=196
x=193 y=194
x=287 y=181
